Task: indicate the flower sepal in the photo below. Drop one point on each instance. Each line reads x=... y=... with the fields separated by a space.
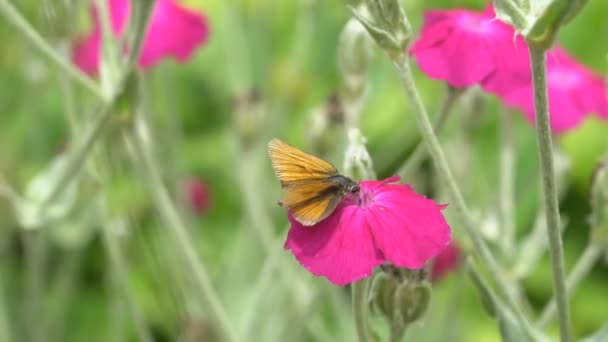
x=402 y=296
x=386 y=22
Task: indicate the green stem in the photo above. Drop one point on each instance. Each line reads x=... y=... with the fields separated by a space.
x=78 y=155
x=120 y=270
x=506 y=184
x=359 y=295
x=251 y=198
x=35 y=250
x=77 y=158
x=5 y=327
x=420 y=152
x=435 y=150
x=14 y=17
x=541 y=107
x=63 y=290
x=177 y=228
x=580 y=271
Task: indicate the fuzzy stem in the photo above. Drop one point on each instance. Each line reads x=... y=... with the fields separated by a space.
x=506 y=184
x=580 y=271
x=5 y=327
x=420 y=151
x=359 y=295
x=119 y=268
x=538 y=61
x=20 y=23
x=106 y=108
x=81 y=151
x=63 y=289
x=177 y=228
x=35 y=261
x=422 y=118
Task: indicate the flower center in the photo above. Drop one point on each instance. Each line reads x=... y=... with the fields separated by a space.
x=363 y=199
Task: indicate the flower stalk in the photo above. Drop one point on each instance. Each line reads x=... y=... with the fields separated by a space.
x=13 y=16
x=436 y=152
x=507 y=184
x=139 y=146
x=538 y=61
x=420 y=151
x=360 y=309
x=580 y=271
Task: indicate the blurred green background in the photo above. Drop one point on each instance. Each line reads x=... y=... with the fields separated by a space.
x=57 y=283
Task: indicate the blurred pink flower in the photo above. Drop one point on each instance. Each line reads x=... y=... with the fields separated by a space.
x=465 y=48
x=574 y=92
x=383 y=222
x=448 y=260
x=173 y=31
x=199 y=195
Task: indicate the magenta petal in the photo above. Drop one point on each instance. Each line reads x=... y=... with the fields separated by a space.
x=574 y=92
x=339 y=248
x=85 y=53
x=447 y=261
x=460 y=46
x=398 y=215
x=173 y=31
x=383 y=222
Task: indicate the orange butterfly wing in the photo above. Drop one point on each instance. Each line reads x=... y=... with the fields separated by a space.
x=307 y=192
x=311 y=201
x=292 y=165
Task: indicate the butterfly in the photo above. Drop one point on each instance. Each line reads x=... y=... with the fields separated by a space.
x=312 y=187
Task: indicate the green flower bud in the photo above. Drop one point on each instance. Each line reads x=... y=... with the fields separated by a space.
x=413 y=300
x=326 y=123
x=355 y=53
x=540 y=22
x=383 y=293
x=402 y=296
x=386 y=22
x=249 y=114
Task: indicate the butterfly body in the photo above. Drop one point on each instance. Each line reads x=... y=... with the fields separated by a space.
x=312 y=187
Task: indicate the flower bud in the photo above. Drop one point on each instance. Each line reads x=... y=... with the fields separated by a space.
x=383 y=292
x=540 y=23
x=357 y=161
x=355 y=53
x=325 y=122
x=249 y=113
x=386 y=22
x=401 y=295
x=413 y=300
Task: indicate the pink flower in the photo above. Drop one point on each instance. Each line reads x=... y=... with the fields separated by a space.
x=173 y=31
x=574 y=92
x=465 y=48
x=199 y=195
x=448 y=260
x=383 y=222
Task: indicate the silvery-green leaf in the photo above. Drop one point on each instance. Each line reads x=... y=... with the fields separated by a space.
x=78 y=228
x=30 y=212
